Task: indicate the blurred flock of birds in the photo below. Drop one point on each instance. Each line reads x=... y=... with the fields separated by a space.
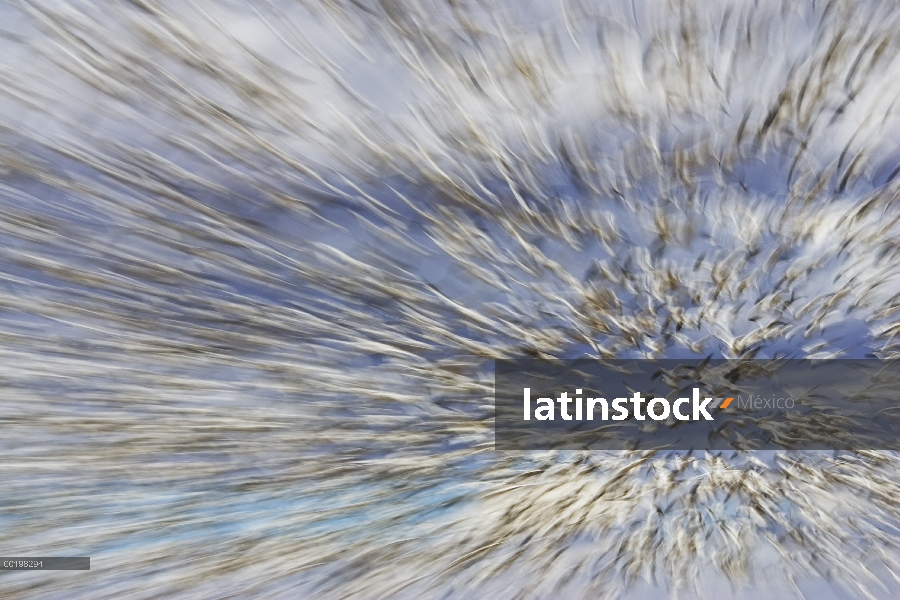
x=258 y=257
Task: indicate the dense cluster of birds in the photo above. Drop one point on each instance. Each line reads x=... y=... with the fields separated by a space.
x=258 y=257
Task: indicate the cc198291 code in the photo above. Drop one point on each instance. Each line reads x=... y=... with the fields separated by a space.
x=23 y=564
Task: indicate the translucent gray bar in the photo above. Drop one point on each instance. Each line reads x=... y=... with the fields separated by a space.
x=45 y=563
x=756 y=404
